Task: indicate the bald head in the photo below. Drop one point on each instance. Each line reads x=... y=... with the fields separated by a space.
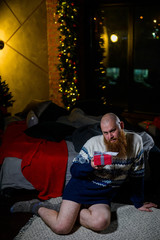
x=110 y=118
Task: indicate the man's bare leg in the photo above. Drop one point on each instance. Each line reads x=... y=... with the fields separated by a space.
x=62 y=222
x=97 y=217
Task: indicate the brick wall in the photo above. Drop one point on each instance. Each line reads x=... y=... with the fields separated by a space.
x=53 y=42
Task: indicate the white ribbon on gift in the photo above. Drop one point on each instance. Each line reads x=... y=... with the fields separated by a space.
x=109 y=153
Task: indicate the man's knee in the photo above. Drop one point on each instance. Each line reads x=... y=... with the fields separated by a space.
x=61 y=229
x=101 y=223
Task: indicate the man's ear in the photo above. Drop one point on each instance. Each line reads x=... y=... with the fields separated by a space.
x=122 y=124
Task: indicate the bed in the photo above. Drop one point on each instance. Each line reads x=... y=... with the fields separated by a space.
x=40 y=143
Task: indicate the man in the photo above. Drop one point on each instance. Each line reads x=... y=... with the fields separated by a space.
x=89 y=193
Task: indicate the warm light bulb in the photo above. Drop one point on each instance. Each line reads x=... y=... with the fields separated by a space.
x=114 y=38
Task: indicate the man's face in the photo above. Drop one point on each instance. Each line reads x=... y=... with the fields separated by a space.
x=111 y=131
x=115 y=138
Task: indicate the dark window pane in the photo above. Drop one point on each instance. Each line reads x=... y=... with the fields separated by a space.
x=146 y=57
x=115 y=35
x=130 y=40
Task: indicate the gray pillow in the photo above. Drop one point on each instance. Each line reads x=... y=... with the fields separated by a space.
x=31 y=119
x=38 y=106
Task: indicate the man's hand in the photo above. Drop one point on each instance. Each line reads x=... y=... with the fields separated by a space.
x=146 y=206
x=98 y=167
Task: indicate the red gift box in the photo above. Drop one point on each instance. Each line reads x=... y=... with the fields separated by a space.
x=102 y=159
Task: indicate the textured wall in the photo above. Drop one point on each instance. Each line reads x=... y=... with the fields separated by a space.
x=53 y=43
x=24 y=59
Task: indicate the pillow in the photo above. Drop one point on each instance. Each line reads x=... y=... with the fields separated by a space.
x=52 y=131
x=32 y=119
x=53 y=112
x=82 y=134
x=38 y=106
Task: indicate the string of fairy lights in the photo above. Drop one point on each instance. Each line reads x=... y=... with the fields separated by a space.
x=98 y=63
x=67 y=12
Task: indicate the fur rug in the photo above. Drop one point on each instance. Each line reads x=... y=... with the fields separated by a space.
x=127 y=223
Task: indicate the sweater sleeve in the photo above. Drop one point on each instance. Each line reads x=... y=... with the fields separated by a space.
x=79 y=170
x=137 y=193
x=137 y=177
x=81 y=166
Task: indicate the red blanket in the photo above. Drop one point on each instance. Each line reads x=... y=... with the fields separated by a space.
x=43 y=162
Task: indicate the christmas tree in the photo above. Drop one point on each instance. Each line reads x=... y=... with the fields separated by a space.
x=5 y=96
x=67 y=12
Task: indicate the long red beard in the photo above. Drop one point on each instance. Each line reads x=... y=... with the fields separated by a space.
x=119 y=146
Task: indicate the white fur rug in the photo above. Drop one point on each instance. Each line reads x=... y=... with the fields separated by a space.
x=127 y=223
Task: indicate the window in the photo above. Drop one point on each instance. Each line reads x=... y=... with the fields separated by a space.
x=141 y=77
x=131 y=51
x=146 y=52
x=112 y=74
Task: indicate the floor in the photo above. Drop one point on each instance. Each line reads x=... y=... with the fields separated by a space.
x=12 y=223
